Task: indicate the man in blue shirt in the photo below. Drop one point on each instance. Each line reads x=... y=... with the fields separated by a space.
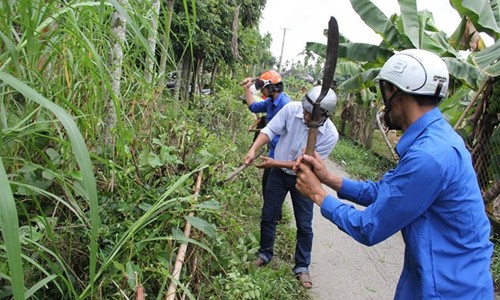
x=292 y=123
x=432 y=196
x=270 y=83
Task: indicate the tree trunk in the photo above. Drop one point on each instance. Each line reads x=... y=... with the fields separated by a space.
x=370 y=125
x=185 y=77
x=118 y=31
x=212 y=77
x=152 y=37
x=194 y=82
x=234 y=38
x=346 y=115
x=165 y=43
x=199 y=75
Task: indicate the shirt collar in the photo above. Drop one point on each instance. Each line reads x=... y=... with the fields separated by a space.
x=415 y=129
x=278 y=99
x=300 y=115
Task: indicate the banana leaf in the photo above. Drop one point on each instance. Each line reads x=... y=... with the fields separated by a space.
x=484 y=14
x=465 y=72
x=375 y=19
x=488 y=60
x=412 y=26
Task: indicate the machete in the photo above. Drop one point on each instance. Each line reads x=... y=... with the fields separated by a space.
x=242 y=167
x=332 y=49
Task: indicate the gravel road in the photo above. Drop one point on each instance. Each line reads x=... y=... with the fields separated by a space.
x=342 y=268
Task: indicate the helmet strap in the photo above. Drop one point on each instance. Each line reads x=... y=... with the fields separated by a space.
x=388 y=106
x=438 y=89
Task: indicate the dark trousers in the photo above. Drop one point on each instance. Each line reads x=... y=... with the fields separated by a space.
x=278 y=185
x=265 y=176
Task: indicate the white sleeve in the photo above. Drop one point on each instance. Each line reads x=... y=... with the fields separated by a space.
x=277 y=125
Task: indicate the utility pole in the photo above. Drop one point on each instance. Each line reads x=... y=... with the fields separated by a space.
x=282 y=46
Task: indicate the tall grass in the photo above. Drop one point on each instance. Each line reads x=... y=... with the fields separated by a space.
x=9 y=224
x=80 y=220
x=81 y=156
x=60 y=50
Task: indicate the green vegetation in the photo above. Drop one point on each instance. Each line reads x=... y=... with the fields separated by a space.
x=495 y=261
x=358 y=161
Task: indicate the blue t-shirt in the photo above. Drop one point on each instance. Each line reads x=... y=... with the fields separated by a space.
x=433 y=197
x=271 y=108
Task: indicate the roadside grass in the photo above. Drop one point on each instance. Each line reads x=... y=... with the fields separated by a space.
x=495 y=262
x=358 y=161
x=237 y=245
x=380 y=147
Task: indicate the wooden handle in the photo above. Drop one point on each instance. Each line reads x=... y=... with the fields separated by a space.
x=242 y=167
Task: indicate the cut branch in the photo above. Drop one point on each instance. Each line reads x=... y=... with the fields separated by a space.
x=179 y=261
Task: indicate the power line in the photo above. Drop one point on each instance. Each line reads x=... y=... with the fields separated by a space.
x=304 y=13
x=282 y=47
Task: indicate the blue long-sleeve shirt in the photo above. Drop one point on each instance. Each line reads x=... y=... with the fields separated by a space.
x=433 y=197
x=271 y=108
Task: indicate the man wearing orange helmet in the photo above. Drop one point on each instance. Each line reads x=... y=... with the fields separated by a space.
x=270 y=83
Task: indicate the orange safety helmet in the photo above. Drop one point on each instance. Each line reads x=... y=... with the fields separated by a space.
x=267 y=78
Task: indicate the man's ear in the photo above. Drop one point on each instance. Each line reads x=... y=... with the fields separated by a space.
x=392 y=88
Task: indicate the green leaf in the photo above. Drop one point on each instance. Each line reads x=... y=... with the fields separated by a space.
x=40 y=284
x=428 y=43
x=9 y=224
x=358 y=52
x=488 y=60
x=119 y=266
x=201 y=225
x=429 y=20
x=180 y=237
x=12 y=51
x=361 y=81
x=464 y=71
x=481 y=13
x=131 y=269
x=375 y=19
x=411 y=23
x=452 y=107
x=154 y=160
x=211 y=204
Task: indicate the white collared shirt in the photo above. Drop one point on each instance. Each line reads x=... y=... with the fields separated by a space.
x=289 y=123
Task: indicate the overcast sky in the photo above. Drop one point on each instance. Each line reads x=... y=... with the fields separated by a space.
x=305 y=21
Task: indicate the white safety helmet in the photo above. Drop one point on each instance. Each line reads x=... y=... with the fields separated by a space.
x=327 y=104
x=417 y=72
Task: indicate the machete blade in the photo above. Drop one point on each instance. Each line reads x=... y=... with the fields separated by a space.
x=332 y=50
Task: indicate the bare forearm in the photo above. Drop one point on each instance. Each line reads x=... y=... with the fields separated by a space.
x=249 y=97
x=319 y=196
x=284 y=164
x=261 y=140
x=334 y=182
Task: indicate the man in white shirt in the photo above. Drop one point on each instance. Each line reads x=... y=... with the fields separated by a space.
x=292 y=123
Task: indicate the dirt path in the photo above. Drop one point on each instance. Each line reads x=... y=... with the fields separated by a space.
x=342 y=268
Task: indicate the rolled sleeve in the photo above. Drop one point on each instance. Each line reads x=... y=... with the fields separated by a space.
x=269 y=133
x=259 y=106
